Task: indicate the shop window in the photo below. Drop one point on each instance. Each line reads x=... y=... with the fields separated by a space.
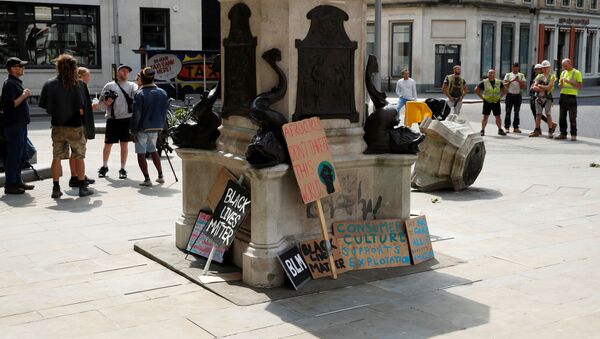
x=594 y=4
x=401 y=48
x=588 y=52
x=565 y=3
x=576 y=49
x=39 y=33
x=488 y=41
x=579 y=3
x=524 y=48
x=155 y=28
x=371 y=39
x=549 y=2
x=506 y=48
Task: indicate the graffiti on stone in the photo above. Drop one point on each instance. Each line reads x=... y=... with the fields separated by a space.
x=347 y=201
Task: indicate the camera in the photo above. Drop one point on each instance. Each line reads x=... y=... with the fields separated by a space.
x=110 y=94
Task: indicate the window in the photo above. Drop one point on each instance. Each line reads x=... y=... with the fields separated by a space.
x=155 y=30
x=565 y=3
x=588 y=52
x=594 y=4
x=579 y=3
x=487 y=47
x=371 y=39
x=549 y=2
x=39 y=33
x=524 y=48
x=576 y=49
x=506 y=48
x=401 y=48
x=527 y=1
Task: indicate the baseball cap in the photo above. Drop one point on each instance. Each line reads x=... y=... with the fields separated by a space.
x=546 y=63
x=538 y=66
x=124 y=66
x=147 y=73
x=14 y=61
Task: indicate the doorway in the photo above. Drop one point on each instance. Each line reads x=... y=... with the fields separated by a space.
x=446 y=56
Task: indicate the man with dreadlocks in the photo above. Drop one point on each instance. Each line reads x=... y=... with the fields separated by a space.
x=61 y=97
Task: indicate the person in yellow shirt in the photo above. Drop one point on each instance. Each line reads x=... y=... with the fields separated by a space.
x=491 y=90
x=569 y=83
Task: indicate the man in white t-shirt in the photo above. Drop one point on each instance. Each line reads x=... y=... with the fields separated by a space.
x=406 y=89
x=515 y=82
x=118 y=116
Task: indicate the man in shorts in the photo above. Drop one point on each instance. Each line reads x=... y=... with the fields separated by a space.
x=455 y=89
x=117 y=99
x=149 y=117
x=491 y=90
x=61 y=97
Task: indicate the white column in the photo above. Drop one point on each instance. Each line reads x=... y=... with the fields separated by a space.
x=596 y=53
x=583 y=51
x=554 y=48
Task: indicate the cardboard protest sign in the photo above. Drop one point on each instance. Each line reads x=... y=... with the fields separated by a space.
x=198 y=242
x=294 y=266
x=316 y=257
x=418 y=238
x=372 y=244
x=228 y=216
x=218 y=187
x=311 y=159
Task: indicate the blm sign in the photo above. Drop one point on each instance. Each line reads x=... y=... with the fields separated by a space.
x=228 y=216
x=311 y=159
x=294 y=266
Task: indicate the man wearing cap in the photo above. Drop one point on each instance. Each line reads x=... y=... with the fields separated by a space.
x=491 y=90
x=542 y=86
x=16 y=119
x=537 y=70
x=570 y=82
x=118 y=116
x=515 y=82
x=149 y=116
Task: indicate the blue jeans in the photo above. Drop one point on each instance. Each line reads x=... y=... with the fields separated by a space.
x=401 y=103
x=16 y=139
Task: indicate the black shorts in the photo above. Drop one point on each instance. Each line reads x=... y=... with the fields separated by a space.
x=489 y=107
x=117 y=130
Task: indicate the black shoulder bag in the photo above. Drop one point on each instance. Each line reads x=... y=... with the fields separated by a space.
x=127 y=98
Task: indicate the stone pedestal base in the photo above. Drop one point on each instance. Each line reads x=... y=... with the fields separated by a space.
x=451 y=156
x=372 y=186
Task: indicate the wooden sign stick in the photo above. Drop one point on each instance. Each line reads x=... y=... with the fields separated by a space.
x=326 y=237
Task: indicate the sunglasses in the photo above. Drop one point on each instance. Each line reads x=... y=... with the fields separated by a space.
x=18 y=66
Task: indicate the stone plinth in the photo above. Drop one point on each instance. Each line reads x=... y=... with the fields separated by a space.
x=451 y=156
x=372 y=186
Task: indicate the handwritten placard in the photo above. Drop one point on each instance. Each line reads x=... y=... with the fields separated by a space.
x=228 y=216
x=294 y=266
x=311 y=159
x=199 y=243
x=316 y=256
x=418 y=239
x=372 y=244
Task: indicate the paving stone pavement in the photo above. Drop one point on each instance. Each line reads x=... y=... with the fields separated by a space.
x=529 y=229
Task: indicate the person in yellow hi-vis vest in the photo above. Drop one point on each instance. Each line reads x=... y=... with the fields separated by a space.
x=569 y=83
x=491 y=90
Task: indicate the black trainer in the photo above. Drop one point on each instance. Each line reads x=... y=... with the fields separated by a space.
x=102 y=171
x=56 y=193
x=501 y=132
x=122 y=174
x=74 y=181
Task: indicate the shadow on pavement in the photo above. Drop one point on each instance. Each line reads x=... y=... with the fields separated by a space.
x=158 y=191
x=470 y=194
x=70 y=202
x=18 y=200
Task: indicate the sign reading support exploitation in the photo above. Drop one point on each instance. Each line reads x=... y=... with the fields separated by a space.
x=294 y=266
x=372 y=244
x=228 y=216
x=198 y=242
x=316 y=257
x=418 y=238
x=311 y=159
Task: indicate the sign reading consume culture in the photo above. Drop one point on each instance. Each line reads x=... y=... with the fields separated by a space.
x=372 y=244
x=311 y=159
x=228 y=216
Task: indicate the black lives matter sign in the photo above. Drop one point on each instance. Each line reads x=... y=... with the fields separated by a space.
x=228 y=216
x=294 y=266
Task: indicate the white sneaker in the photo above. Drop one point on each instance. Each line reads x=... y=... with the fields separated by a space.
x=146 y=183
x=160 y=180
